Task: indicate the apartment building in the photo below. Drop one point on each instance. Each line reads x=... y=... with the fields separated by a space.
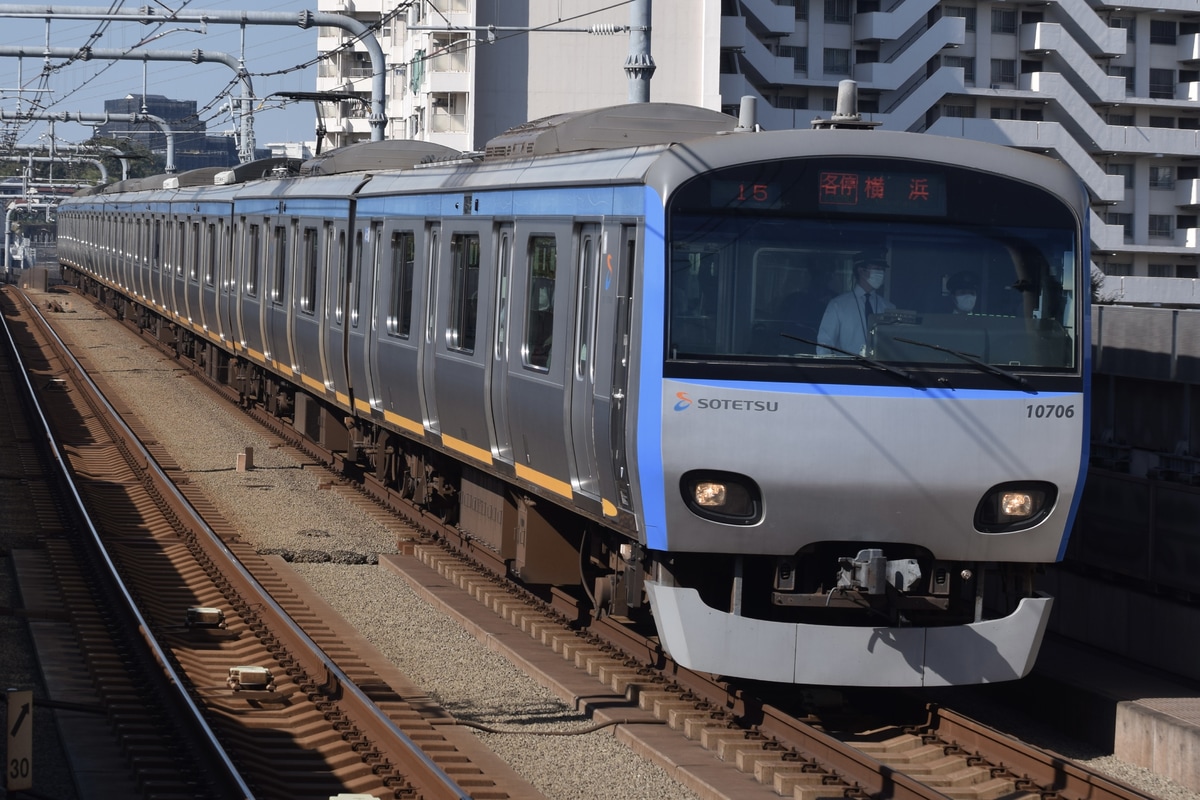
x=1111 y=89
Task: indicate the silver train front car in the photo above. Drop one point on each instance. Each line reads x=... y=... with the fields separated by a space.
x=597 y=339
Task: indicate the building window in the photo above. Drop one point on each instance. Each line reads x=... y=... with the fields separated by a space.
x=837 y=11
x=798 y=55
x=1004 y=20
x=1125 y=220
x=1004 y=113
x=801 y=8
x=1118 y=270
x=1004 y=70
x=1162 y=122
x=1186 y=271
x=958 y=111
x=1161 y=270
x=1163 y=31
x=1162 y=177
x=966 y=12
x=798 y=101
x=1119 y=119
x=966 y=63
x=1125 y=171
x=837 y=61
x=1161 y=225
x=1162 y=83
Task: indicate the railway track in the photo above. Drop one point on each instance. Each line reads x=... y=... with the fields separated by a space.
x=787 y=747
x=287 y=718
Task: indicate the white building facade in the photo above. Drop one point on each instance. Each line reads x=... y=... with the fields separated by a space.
x=1112 y=90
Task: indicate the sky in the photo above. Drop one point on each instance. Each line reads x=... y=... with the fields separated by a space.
x=272 y=54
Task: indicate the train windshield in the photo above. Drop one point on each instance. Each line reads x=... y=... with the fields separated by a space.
x=902 y=262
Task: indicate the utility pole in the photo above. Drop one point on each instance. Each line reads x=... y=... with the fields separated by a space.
x=640 y=64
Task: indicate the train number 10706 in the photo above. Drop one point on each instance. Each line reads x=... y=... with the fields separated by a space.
x=1049 y=411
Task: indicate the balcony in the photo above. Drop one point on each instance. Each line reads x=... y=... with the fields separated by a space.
x=1187 y=192
x=441 y=122
x=777 y=20
x=1189 y=47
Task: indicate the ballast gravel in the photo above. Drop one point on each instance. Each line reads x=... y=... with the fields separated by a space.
x=280 y=507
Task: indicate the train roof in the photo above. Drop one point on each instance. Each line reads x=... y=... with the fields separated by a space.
x=629 y=125
x=366 y=156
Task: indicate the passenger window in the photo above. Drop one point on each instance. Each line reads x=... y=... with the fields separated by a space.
x=254 y=254
x=539 y=314
x=156 y=250
x=340 y=255
x=194 y=249
x=464 y=291
x=399 y=318
x=210 y=258
x=308 y=274
x=279 y=279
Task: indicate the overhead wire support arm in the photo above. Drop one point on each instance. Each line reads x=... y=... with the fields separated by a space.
x=245 y=141
x=303 y=19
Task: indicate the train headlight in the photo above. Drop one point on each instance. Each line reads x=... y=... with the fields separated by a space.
x=1015 y=506
x=722 y=496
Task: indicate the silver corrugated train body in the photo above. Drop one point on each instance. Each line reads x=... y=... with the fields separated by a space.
x=813 y=401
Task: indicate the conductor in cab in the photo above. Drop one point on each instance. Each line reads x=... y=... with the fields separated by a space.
x=847 y=318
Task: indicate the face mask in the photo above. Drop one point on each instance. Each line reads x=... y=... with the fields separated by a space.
x=875 y=278
x=964 y=302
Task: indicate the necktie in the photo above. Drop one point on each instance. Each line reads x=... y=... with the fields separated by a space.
x=870 y=306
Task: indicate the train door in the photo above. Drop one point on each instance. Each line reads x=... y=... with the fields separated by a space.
x=249 y=277
x=460 y=353
x=210 y=233
x=306 y=304
x=341 y=265
x=611 y=362
x=394 y=350
x=365 y=277
x=137 y=260
x=191 y=292
x=497 y=374
x=425 y=360
x=154 y=289
x=275 y=317
x=580 y=394
x=230 y=236
x=539 y=354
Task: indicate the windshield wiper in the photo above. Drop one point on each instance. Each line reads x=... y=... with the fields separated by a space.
x=975 y=360
x=870 y=362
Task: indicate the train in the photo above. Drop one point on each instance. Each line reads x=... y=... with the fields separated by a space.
x=601 y=349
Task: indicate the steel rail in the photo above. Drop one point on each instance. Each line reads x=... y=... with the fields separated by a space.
x=233 y=775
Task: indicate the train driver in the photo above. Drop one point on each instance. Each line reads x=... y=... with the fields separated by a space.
x=847 y=318
x=964 y=289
